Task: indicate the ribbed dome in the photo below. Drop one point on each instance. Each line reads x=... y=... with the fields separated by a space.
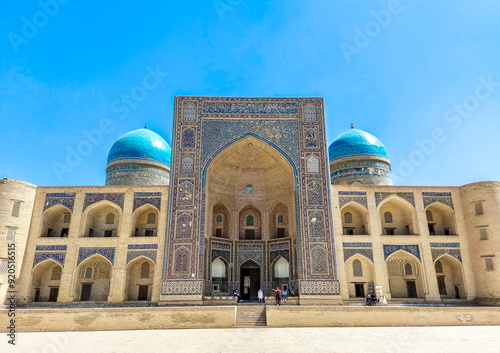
x=356 y=143
x=141 y=144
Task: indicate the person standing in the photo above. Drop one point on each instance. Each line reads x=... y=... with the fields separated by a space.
x=260 y=295
x=277 y=295
x=283 y=294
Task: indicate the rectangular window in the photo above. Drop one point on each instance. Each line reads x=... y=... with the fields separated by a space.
x=389 y=231
x=64 y=232
x=249 y=189
x=149 y=232
x=281 y=232
x=348 y=231
x=488 y=263
x=218 y=233
x=11 y=234
x=483 y=234
x=67 y=218
x=478 y=208
x=50 y=232
x=15 y=208
x=447 y=231
x=432 y=229
x=108 y=233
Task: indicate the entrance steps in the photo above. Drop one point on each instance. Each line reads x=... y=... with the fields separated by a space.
x=250 y=315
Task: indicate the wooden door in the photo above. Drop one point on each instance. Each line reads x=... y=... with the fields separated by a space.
x=441 y=285
x=53 y=294
x=143 y=293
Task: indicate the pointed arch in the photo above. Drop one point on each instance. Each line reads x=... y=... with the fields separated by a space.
x=53 y=221
x=443 y=220
x=140 y=225
x=93 y=223
x=359 y=219
x=404 y=217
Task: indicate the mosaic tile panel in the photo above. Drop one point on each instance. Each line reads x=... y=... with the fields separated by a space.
x=93 y=198
x=186 y=192
x=319 y=260
x=182 y=258
x=249 y=247
x=279 y=246
x=436 y=194
x=311 y=135
x=352 y=193
x=429 y=200
x=436 y=253
x=344 y=200
x=249 y=108
x=314 y=192
x=348 y=253
x=153 y=201
x=445 y=245
x=150 y=254
x=391 y=249
x=250 y=255
x=51 y=248
x=408 y=196
x=273 y=255
x=218 y=134
x=357 y=245
x=226 y=255
x=221 y=246
x=188 y=138
x=319 y=287
x=60 y=194
x=58 y=257
x=64 y=199
x=147 y=194
x=108 y=253
x=182 y=287
x=184 y=226
x=142 y=246
x=316 y=224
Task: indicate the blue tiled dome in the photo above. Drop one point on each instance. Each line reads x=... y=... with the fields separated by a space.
x=356 y=143
x=141 y=144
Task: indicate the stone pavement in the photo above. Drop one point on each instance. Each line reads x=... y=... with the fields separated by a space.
x=483 y=339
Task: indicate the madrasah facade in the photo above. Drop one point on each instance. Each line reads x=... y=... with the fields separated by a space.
x=250 y=196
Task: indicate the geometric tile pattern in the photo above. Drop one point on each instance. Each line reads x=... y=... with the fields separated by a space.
x=226 y=255
x=445 y=245
x=250 y=255
x=357 y=245
x=279 y=246
x=142 y=246
x=51 y=247
x=58 y=257
x=391 y=249
x=150 y=254
x=140 y=201
x=436 y=253
x=408 y=196
x=318 y=258
x=108 y=253
x=348 y=253
x=59 y=198
x=182 y=287
x=93 y=198
x=344 y=200
x=319 y=287
x=221 y=246
x=273 y=255
x=433 y=197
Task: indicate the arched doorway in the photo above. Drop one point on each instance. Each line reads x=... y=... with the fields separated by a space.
x=249 y=280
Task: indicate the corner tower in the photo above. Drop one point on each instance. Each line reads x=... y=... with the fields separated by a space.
x=140 y=157
x=357 y=157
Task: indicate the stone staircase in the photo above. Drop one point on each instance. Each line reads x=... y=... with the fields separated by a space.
x=250 y=315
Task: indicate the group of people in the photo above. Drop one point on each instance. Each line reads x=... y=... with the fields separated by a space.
x=371 y=300
x=280 y=295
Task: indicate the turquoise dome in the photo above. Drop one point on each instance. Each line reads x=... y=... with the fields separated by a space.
x=142 y=144
x=354 y=143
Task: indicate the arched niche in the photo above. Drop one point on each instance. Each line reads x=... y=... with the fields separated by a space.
x=449 y=275
x=219 y=276
x=440 y=219
x=360 y=276
x=250 y=223
x=355 y=219
x=139 y=283
x=56 y=221
x=93 y=279
x=279 y=221
x=45 y=281
x=405 y=275
x=220 y=221
x=397 y=217
x=145 y=221
x=101 y=219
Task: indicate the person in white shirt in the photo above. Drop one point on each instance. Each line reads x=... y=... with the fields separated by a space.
x=260 y=295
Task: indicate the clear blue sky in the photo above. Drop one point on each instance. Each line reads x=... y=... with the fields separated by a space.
x=405 y=71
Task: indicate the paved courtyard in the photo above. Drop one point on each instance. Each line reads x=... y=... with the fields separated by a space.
x=378 y=339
